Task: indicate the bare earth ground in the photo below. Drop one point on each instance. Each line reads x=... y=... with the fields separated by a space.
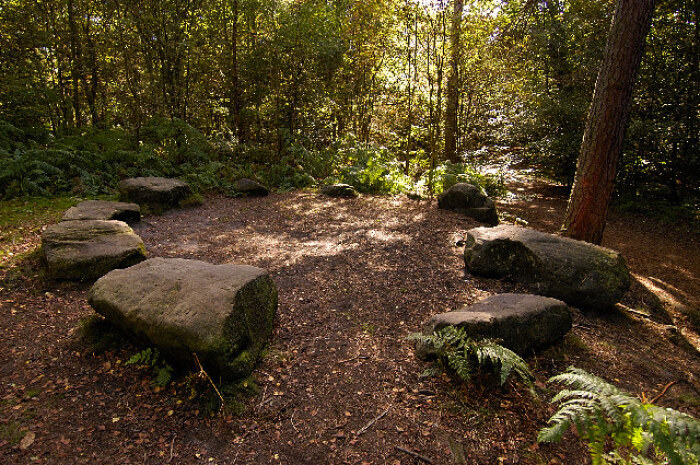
x=355 y=277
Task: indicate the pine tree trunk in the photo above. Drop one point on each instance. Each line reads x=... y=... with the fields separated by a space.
x=607 y=120
x=453 y=84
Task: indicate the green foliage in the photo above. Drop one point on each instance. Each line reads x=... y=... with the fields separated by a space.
x=162 y=370
x=639 y=433
x=458 y=352
x=371 y=169
x=448 y=174
x=12 y=432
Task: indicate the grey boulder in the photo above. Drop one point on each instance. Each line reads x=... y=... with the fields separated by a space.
x=250 y=188
x=471 y=201
x=88 y=249
x=156 y=193
x=521 y=322
x=339 y=190
x=582 y=274
x=221 y=313
x=103 y=210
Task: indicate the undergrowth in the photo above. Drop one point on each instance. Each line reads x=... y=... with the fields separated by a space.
x=151 y=358
x=90 y=162
x=619 y=428
x=456 y=351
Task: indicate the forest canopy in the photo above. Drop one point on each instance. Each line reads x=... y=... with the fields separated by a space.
x=300 y=92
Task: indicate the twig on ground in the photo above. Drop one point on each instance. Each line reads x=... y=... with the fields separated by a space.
x=203 y=372
x=291 y=420
x=172 y=446
x=415 y=455
x=663 y=392
x=371 y=423
x=263 y=401
x=358 y=357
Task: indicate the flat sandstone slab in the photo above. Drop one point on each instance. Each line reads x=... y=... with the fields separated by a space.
x=88 y=249
x=221 y=313
x=103 y=210
x=522 y=322
x=582 y=274
x=156 y=193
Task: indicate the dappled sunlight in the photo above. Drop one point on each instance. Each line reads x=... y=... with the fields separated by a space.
x=666 y=293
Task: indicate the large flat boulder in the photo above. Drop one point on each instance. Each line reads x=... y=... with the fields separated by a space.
x=521 y=322
x=221 y=313
x=471 y=201
x=103 y=210
x=156 y=193
x=582 y=274
x=88 y=249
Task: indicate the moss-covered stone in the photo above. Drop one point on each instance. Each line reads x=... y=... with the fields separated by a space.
x=103 y=210
x=222 y=313
x=157 y=194
x=522 y=322
x=246 y=186
x=339 y=190
x=88 y=249
x=579 y=273
x=470 y=200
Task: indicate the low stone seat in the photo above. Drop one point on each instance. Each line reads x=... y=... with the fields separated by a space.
x=103 y=210
x=579 y=273
x=158 y=194
x=250 y=188
x=471 y=201
x=88 y=249
x=339 y=190
x=221 y=313
x=521 y=322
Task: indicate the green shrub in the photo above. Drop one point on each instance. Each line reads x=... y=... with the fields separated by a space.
x=603 y=415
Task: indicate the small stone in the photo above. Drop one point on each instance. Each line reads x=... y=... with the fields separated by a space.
x=339 y=190
x=471 y=201
x=250 y=188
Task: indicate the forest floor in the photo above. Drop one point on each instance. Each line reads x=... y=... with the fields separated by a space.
x=340 y=383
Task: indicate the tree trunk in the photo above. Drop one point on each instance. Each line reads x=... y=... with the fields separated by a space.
x=607 y=120
x=75 y=63
x=453 y=84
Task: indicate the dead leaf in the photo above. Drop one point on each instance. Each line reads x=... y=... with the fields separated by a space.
x=27 y=440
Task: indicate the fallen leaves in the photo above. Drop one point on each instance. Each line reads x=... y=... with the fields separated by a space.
x=27 y=440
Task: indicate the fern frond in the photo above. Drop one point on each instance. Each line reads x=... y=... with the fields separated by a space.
x=600 y=411
x=462 y=354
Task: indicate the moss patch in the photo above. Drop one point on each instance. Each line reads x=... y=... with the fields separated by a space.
x=12 y=432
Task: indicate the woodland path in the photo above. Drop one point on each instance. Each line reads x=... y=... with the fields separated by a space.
x=355 y=277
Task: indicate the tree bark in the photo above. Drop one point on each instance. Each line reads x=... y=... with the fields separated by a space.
x=607 y=121
x=453 y=83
